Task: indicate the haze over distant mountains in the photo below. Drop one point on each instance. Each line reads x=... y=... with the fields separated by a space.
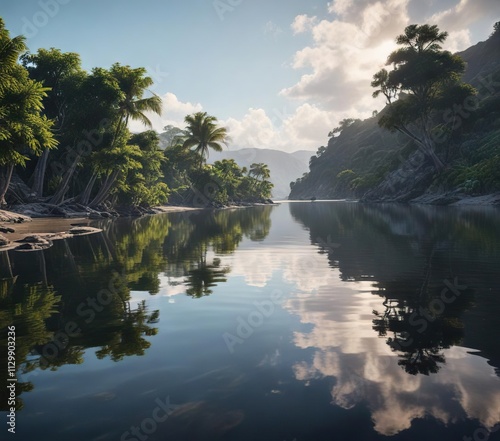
x=285 y=167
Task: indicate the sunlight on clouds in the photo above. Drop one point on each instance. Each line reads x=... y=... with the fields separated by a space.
x=457 y=19
x=306 y=128
x=285 y=129
x=255 y=129
x=458 y=41
x=173 y=112
x=348 y=47
x=303 y=23
x=465 y=13
x=309 y=125
x=346 y=53
x=339 y=6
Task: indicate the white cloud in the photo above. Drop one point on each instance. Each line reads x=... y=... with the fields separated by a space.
x=458 y=41
x=309 y=125
x=286 y=129
x=306 y=128
x=348 y=47
x=340 y=7
x=457 y=20
x=173 y=112
x=347 y=51
x=303 y=23
x=465 y=13
x=255 y=129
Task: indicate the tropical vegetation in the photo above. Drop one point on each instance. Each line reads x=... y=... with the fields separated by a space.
x=65 y=139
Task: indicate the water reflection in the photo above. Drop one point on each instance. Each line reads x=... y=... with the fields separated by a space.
x=205 y=276
x=424 y=263
x=381 y=308
x=78 y=295
x=417 y=269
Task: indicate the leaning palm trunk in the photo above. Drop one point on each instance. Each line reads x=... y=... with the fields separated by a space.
x=58 y=197
x=39 y=174
x=85 y=196
x=5 y=177
x=105 y=189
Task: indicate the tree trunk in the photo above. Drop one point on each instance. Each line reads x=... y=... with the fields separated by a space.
x=105 y=189
x=429 y=151
x=63 y=187
x=85 y=196
x=426 y=147
x=39 y=174
x=5 y=177
x=438 y=164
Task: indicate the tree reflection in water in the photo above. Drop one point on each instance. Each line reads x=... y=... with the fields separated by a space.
x=205 y=276
x=414 y=254
x=42 y=292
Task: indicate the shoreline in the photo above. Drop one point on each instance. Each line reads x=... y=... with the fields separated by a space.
x=23 y=233
x=450 y=199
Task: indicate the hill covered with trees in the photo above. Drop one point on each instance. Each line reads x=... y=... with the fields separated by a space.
x=438 y=138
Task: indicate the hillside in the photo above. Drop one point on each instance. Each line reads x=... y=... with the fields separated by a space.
x=367 y=162
x=284 y=167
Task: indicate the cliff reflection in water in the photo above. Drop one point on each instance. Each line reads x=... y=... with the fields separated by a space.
x=78 y=295
x=426 y=274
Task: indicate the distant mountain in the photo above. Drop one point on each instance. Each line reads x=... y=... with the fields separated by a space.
x=285 y=167
x=303 y=155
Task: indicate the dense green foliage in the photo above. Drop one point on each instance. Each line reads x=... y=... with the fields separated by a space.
x=438 y=133
x=425 y=80
x=24 y=130
x=64 y=136
x=221 y=183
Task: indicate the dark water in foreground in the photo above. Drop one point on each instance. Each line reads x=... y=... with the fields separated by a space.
x=306 y=322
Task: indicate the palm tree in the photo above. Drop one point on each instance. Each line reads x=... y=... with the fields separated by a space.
x=56 y=70
x=133 y=84
x=260 y=170
x=10 y=50
x=261 y=173
x=22 y=127
x=203 y=134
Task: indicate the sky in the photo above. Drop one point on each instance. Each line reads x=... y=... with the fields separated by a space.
x=277 y=74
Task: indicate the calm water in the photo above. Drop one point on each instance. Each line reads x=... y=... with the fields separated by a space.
x=306 y=322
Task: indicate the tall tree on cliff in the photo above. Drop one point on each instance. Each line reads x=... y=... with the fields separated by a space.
x=424 y=81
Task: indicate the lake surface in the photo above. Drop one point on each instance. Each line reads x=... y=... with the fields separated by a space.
x=303 y=321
